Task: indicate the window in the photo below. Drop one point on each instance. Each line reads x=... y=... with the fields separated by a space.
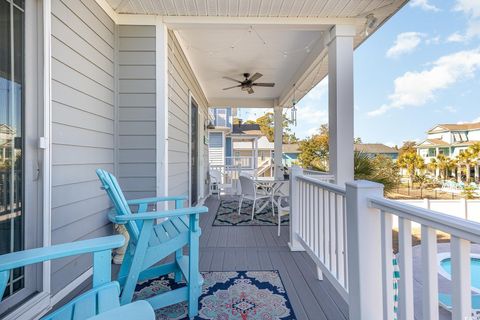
x=432 y=152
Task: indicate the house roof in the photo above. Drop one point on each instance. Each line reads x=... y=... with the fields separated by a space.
x=432 y=142
x=291 y=148
x=455 y=127
x=262 y=143
x=247 y=129
x=374 y=148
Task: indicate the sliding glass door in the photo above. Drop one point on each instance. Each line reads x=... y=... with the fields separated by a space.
x=19 y=215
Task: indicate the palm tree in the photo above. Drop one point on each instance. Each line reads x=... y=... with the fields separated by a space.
x=379 y=169
x=466 y=158
x=475 y=150
x=432 y=166
x=444 y=164
x=412 y=162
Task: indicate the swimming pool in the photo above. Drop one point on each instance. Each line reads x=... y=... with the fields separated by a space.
x=445 y=264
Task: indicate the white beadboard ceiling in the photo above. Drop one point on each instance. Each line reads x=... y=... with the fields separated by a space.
x=278 y=46
x=249 y=8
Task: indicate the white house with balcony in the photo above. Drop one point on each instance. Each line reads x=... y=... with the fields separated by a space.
x=126 y=85
x=450 y=140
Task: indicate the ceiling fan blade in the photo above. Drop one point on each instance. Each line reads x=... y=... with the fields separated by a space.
x=231 y=79
x=256 y=76
x=232 y=87
x=250 y=90
x=271 y=84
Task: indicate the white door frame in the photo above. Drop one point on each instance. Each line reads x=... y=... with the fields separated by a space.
x=40 y=303
x=190 y=98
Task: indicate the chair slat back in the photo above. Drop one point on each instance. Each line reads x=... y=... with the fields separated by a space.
x=247 y=185
x=115 y=193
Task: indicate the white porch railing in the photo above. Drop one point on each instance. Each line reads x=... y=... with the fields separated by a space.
x=348 y=234
x=244 y=162
x=318 y=224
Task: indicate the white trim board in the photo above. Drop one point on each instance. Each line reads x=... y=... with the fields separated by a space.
x=161 y=70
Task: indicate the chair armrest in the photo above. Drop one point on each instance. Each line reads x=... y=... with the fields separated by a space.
x=155 y=200
x=23 y=258
x=151 y=215
x=138 y=310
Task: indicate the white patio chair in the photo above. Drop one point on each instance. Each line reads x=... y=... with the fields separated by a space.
x=251 y=192
x=215 y=181
x=283 y=204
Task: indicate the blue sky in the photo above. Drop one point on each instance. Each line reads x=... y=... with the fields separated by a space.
x=420 y=68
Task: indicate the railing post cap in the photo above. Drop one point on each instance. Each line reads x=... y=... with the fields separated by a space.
x=364 y=184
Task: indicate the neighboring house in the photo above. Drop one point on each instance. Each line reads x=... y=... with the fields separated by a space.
x=290 y=155
x=449 y=140
x=238 y=144
x=374 y=149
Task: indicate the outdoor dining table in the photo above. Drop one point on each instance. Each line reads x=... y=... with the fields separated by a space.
x=271 y=186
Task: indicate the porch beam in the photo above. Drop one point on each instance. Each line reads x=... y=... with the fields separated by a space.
x=278 y=140
x=177 y=22
x=340 y=102
x=241 y=103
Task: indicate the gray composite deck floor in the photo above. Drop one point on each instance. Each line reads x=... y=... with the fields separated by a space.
x=241 y=248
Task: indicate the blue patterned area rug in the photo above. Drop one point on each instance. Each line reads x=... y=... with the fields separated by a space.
x=238 y=295
x=227 y=214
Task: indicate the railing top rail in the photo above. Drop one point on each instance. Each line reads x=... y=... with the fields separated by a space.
x=324 y=185
x=316 y=172
x=455 y=226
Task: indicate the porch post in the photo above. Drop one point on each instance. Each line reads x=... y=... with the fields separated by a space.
x=294 y=190
x=364 y=252
x=340 y=102
x=278 y=140
x=161 y=60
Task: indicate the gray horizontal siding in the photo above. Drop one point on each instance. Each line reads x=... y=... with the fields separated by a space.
x=137 y=127
x=82 y=127
x=181 y=81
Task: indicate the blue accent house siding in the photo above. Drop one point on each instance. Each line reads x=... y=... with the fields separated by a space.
x=228 y=147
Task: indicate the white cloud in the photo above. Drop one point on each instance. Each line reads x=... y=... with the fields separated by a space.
x=433 y=40
x=456 y=37
x=405 y=43
x=423 y=4
x=471 y=7
x=417 y=88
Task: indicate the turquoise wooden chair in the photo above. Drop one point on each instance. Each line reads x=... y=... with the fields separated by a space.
x=102 y=301
x=150 y=243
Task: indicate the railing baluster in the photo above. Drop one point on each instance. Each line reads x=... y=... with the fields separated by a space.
x=338 y=237
x=429 y=273
x=345 y=256
x=461 y=290
x=302 y=206
x=316 y=216
x=328 y=249
x=405 y=302
x=321 y=234
x=387 y=266
x=333 y=232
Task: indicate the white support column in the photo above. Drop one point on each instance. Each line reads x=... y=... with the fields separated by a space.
x=364 y=251
x=161 y=60
x=278 y=141
x=340 y=102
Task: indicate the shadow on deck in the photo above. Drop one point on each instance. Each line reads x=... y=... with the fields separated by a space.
x=243 y=248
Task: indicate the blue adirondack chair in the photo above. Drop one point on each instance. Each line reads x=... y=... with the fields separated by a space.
x=151 y=242
x=102 y=301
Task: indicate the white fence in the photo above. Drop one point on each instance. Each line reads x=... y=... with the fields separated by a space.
x=348 y=233
x=461 y=208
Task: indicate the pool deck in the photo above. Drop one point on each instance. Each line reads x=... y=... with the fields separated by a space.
x=444 y=285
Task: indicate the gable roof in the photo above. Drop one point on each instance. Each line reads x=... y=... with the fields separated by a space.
x=455 y=127
x=291 y=148
x=374 y=148
x=432 y=142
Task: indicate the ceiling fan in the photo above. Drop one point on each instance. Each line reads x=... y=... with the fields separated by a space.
x=249 y=82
